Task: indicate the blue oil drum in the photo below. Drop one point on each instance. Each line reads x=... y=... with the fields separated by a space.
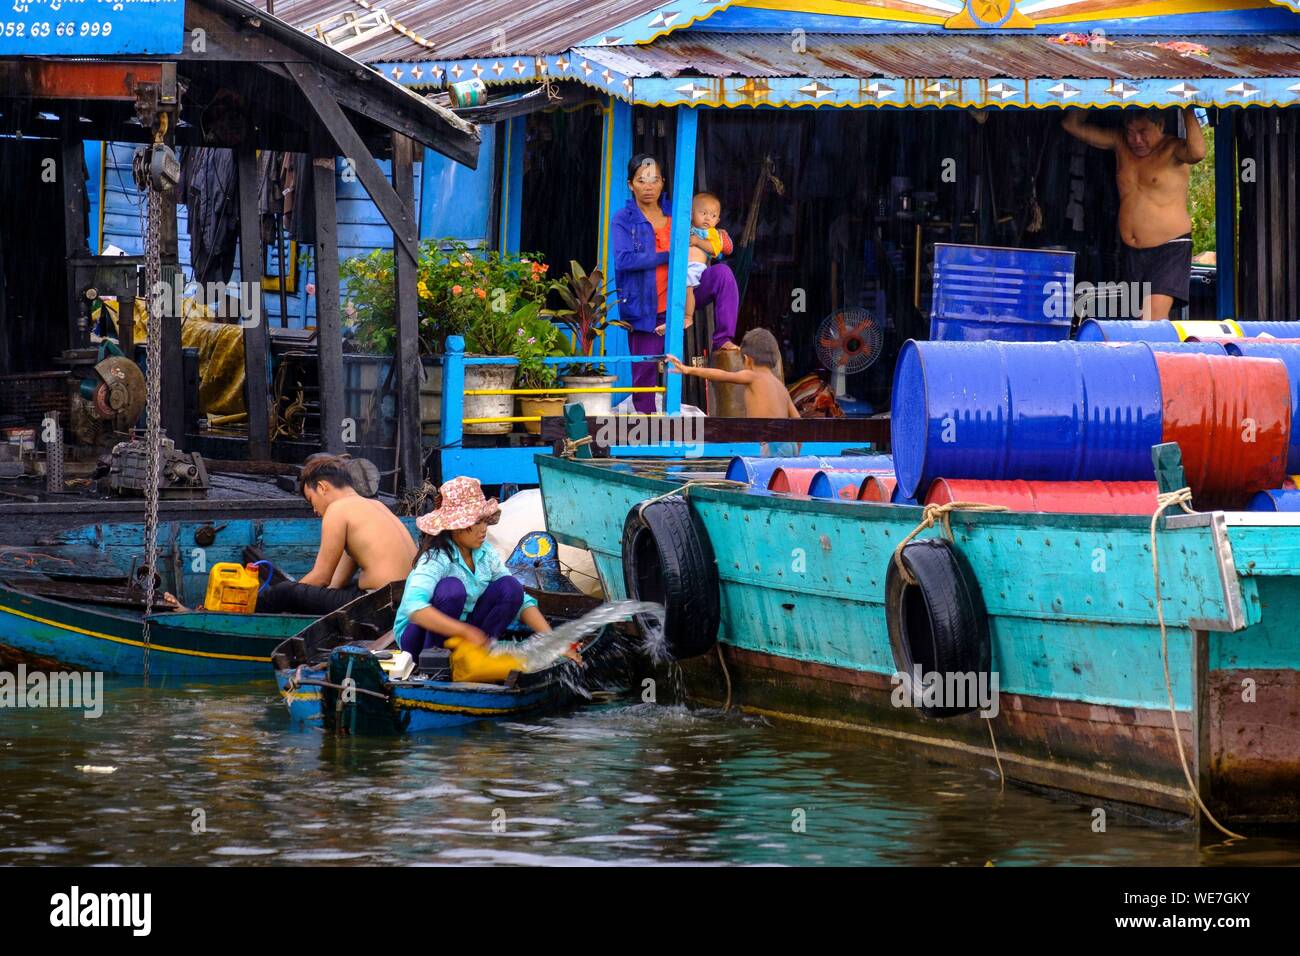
x=1289 y=355
x=838 y=485
x=986 y=293
x=1123 y=330
x=1279 y=330
x=1049 y=411
x=1205 y=348
x=1285 y=499
x=897 y=498
x=758 y=471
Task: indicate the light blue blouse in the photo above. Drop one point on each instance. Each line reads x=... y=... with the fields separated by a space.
x=436 y=565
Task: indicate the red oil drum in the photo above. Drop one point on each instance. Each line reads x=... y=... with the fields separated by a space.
x=877 y=488
x=792 y=481
x=1232 y=419
x=1056 y=497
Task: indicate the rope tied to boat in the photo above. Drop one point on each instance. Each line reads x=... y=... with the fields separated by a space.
x=685 y=489
x=571 y=446
x=1182 y=498
x=936 y=514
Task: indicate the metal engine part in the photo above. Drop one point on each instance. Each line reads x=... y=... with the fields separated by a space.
x=108 y=403
x=181 y=474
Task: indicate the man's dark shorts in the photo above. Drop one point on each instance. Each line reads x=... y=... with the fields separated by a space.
x=1168 y=268
x=290 y=597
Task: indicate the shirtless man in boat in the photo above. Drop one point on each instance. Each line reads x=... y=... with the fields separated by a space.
x=357 y=534
x=1152 y=171
x=765 y=395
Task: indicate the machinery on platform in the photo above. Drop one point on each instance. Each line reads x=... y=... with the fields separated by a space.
x=107 y=395
x=180 y=474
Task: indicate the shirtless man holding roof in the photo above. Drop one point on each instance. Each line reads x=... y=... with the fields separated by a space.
x=1153 y=170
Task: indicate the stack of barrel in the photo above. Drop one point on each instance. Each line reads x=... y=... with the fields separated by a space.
x=841 y=478
x=1067 y=413
x=1271 y=340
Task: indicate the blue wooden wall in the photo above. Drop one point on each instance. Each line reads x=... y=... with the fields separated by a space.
x=458 y=206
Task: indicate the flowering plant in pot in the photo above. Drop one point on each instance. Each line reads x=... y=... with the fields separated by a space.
x=538 y=339
x=480 y=294
x=456 y=286
x=586 y=314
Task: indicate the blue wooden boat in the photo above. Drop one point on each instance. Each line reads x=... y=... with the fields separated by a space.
x=313 y=668
x=69 y=600
x=798 y=595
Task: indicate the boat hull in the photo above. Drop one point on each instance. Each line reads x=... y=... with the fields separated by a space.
x=185 y=644
x=1082 y=699
x=423 y=706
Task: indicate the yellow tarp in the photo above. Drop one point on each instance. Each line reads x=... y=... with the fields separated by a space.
x=221 y=358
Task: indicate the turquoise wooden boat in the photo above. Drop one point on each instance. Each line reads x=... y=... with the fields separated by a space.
x=800 y=612
x=313 y=667
x=66 y=599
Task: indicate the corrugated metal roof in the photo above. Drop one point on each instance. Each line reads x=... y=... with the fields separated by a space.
x=924 y=56
x=401 y=31
x=434 y=126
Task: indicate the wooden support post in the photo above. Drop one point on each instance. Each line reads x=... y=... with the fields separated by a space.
x=173 y=357
x=616 y=153
x=512 y=185
x=1225 y=204
x=451 y=424
x=399 y=216
x=329 y=341
x=682 y=184
x=256 y=380
x=409 y=460
x=71 y=176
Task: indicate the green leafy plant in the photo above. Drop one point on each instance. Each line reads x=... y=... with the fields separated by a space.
x=539 y=340
x=585 y=313
x=1201 y=199
x=461 y=291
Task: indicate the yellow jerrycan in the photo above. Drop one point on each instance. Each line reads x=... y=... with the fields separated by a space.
x=232 y=587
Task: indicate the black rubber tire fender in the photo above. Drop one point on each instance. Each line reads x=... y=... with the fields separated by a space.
x=667 y=558
x=939 y=623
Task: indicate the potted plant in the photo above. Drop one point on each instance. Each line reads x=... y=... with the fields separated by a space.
x=586 y=314
x=481 y=295
x=539 y=339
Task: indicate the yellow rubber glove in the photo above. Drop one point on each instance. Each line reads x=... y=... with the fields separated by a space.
x=475 y=664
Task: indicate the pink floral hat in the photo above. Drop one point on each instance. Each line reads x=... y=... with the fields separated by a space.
x=463 y=506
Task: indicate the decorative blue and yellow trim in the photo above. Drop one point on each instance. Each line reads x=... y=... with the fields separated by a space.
x=787 y=92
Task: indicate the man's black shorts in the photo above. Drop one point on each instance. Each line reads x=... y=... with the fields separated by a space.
x=1167 y=267
x=290 y=597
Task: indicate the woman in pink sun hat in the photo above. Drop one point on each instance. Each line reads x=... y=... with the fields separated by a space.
x=458 y=584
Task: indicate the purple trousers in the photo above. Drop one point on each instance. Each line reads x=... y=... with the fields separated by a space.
x=493 y=612
x=717 y=287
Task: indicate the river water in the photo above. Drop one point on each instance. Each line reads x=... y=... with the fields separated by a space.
x=213 y=774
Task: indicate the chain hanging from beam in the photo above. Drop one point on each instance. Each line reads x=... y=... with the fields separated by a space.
x=155 y=310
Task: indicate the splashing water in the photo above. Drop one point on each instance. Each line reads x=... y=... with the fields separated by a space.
x=542 y=650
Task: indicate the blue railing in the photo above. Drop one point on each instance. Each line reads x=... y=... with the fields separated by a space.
x=516 y=465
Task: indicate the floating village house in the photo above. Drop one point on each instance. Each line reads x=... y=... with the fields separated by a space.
x=204 y=73
x=844 y=139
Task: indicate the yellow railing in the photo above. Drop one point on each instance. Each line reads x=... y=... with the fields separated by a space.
x=601 y=390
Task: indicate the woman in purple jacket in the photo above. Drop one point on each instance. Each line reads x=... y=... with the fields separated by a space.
x=640 y=234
